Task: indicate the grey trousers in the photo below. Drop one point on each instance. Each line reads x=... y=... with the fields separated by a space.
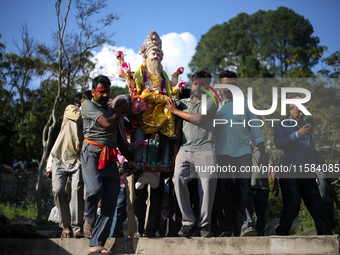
x=185 y=169
x=99 y=184
x=71 y=207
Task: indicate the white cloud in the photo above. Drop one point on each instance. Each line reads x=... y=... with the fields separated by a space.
x=106 y=63
x=178 y=50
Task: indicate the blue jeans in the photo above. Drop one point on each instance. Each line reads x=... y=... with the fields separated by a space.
x=103 y=184
x=120 y=214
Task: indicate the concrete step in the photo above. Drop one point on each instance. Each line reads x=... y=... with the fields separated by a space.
x=178 y=246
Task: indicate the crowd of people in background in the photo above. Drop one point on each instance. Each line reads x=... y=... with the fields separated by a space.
x=19 y=165
x=86 y=167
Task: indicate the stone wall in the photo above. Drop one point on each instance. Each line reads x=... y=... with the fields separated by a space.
x=19 y=187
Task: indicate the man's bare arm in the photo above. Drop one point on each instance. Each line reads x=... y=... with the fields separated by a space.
x=195 y=118
x=109 y=123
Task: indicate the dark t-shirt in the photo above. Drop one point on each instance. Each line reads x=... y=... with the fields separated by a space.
x=91 y=111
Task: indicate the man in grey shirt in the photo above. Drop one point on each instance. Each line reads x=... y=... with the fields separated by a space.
x=195 y=155
x=98 y=159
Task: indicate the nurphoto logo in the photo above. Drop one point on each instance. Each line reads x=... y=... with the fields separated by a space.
x=238 y=100
x=238 y=103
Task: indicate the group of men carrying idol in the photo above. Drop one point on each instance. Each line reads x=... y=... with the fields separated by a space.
x=198 y=143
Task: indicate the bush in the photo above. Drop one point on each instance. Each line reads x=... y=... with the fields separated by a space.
x=306 y=221
x=275 y=205
x=27 y=209
x=11 y=211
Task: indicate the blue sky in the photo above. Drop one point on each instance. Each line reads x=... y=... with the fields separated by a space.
x=180 y=23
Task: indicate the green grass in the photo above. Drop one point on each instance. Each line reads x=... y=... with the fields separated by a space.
x=11 y=211
x=27 y=209
x=305 y=219
x=275 y=205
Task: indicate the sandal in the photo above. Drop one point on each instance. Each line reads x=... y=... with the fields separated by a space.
x=67 y=233
x=78 y=235
x=99 y=251
x=249 y=232
x=87 y=227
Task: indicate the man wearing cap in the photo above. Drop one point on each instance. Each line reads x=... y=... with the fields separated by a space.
x=294 y=137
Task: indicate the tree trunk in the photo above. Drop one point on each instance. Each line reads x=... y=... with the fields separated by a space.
x=46 y=145
x=22 y=104
x=38 y=185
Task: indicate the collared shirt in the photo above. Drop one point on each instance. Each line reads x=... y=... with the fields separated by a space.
x=69 y=141
x=91 y=111
x=198 y=137
x=233 y=137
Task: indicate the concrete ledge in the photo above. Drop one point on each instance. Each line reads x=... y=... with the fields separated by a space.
x=222 y=245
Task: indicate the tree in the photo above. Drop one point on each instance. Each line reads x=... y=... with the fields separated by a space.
x=66 y=58
x=327 y=104
x=116 y=90
x=331 y=62
x=231 y=45
x=17 y=70
x=286 y=37
x=213 y=52
x=4 y=93
x=23 y=67
x=85 y=81
x=2 y=75
x=264 y=44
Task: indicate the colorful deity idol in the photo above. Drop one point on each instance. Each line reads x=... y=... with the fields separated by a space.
x=151 y=84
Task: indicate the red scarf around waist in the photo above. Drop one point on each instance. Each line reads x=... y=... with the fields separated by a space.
x=106 y=156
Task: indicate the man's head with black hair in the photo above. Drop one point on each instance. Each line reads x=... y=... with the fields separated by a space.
x=77 y=99
x=227 y=77
x=200 y=80
x=227 y=74
x=202 y=75
x=100 y=79
x=87 y=95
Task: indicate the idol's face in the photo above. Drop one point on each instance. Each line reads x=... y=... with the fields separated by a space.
x=154 y=54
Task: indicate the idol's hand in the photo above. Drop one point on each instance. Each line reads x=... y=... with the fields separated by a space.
x=181 y=85
x=126 y=67
x=180 y=70
x=119 y=55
